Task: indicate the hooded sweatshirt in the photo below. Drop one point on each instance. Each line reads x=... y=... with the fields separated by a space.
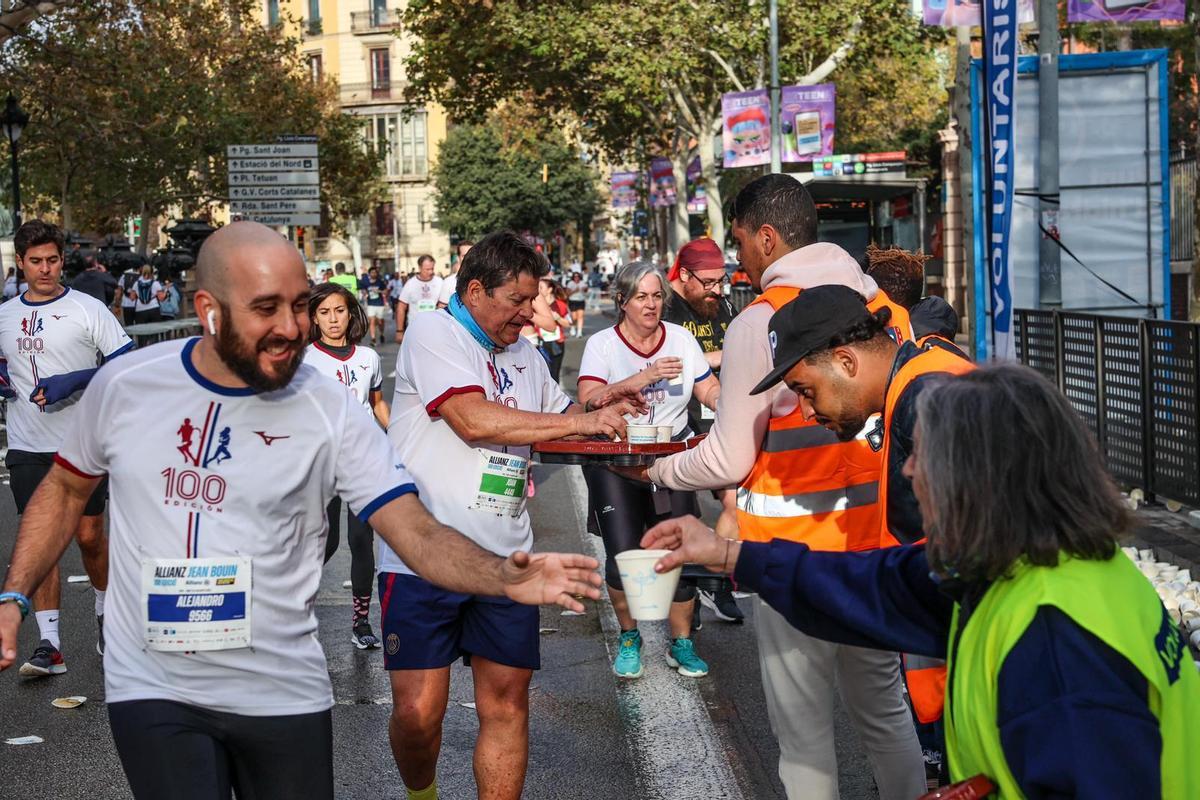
x=726 y=457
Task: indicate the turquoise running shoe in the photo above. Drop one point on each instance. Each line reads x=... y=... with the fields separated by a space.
x=628 y=663
x=682 y=657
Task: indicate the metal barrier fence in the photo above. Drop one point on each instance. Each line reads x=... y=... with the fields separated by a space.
x=740 y=297
x=1183 y=208
x=1134 y=382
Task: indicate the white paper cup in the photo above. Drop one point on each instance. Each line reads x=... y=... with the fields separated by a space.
x=648 y=593
x=664 y=433
x=641 y=434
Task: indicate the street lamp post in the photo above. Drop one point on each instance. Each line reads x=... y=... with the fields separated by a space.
x=13 y=122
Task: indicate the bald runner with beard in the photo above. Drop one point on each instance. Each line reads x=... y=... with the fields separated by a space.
x=213 y=671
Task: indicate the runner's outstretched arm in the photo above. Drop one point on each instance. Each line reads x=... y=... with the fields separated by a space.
x=47 y=527
x=445 y=557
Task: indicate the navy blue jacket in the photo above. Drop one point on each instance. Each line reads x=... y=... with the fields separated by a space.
x=1072 y=712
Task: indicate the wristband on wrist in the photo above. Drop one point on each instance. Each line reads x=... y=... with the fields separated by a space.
x=21 y=600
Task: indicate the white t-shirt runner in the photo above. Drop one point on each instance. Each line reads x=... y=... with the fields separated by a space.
x=39 y=340
x=200 y=471
x=361 y=371
x=421 y=295
x=608 y=358
x=449 y=287
x=440 y=359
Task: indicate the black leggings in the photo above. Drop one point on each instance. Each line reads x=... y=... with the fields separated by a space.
x=622 y=510
x=362 y=547
x=185 y=752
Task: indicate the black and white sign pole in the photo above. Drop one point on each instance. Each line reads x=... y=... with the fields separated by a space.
x=1049 y=256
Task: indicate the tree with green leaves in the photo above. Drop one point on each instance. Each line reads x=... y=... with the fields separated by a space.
x=489 y=176
x=133 y=103
x=646 y=77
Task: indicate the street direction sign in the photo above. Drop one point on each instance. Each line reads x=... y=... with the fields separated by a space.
x=274 y=178
x=276 y=184
x=278 y=220
x=271 y=150
x=287 y=164
x=237 y=193
x=275 y=206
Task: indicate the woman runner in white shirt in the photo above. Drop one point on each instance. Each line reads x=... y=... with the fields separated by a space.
x=339 y=325
x=666 y=363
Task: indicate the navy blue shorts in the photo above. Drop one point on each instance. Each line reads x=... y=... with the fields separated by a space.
x=427 y=627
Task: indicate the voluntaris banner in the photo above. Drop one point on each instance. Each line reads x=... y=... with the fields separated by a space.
x=999 y=87
x=806 y=117
x=624 y=189
x=662 y=183
x=1124 y=10
x=950 y=13
x=697 y=200
x=747 y=137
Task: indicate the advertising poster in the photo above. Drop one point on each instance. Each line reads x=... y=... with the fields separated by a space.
x=806 y=121
x=1124 y=10
x=1000 y=78
x=697 y=201
x=624 y=189
x=951 y=13
x=662 y=183
x=747 y=137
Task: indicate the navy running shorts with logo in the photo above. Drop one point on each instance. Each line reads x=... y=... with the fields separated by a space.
x=26 y=471
x=427 y=627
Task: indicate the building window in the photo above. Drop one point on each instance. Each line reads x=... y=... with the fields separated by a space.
x=316 y=69
x=312 y=25
x=379 y=13
x=384 y=216
x=399 y=139
x=381 y=72
x=272 y=13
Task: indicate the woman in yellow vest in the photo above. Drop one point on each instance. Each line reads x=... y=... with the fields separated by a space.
x=1067 y=678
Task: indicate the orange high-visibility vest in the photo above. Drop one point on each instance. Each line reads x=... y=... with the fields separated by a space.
x=926 y=676
x=806 y=485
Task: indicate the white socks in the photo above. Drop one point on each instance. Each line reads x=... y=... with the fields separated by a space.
x=47 y=622
x=99 y=602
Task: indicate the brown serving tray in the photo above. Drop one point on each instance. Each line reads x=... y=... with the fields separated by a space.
x=595 y=451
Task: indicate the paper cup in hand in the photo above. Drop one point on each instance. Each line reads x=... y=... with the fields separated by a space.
x=641 y=434
x=664 y=433
x=648 y=593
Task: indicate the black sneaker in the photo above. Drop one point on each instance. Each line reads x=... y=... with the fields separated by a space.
x=722 y=604
x=363 y=637
x=100 y=634
x=46 y=660
x=697 y=622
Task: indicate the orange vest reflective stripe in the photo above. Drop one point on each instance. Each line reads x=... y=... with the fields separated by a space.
x=806 y=486
x=926 y=677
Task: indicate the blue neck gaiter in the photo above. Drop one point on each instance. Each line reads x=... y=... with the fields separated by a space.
x=460 y=313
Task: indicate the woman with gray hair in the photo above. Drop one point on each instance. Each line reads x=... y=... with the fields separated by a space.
x=1066 y=676
x=665 y=363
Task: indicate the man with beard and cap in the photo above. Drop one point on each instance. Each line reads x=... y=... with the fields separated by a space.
x=698 y=304
x=215 y=680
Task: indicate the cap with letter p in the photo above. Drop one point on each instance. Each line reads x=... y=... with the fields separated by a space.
x=808 y=324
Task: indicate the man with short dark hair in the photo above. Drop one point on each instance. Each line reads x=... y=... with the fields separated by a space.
x=376 y=290
x=50 y=338
x=214 y=677
x=798 y=481
x=419 y=295
x=343 y=278
x=96 y=280
x=471 y=397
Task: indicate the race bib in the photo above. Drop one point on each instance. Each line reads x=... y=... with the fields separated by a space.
x=707 y=413
x=501 y=482
x=194 y=604
x=548 y=336
x=427 y=305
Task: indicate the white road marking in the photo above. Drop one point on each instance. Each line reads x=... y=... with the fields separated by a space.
x=677 y=750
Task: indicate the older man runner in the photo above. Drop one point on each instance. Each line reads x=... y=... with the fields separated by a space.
x=471 y=397
x=799 y=482
x=50 y=340
x=418 y=295
x=214 y=676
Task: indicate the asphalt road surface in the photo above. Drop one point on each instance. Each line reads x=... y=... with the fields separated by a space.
x=658 y=738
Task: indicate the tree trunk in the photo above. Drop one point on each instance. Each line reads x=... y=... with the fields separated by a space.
x=679 y=161
x=65 y=211
x=712 y=187
x=143 y=230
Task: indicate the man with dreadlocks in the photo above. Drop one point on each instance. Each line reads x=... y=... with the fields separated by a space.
x=901 y=274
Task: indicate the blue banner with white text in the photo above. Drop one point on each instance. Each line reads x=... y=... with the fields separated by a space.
x=999 y=106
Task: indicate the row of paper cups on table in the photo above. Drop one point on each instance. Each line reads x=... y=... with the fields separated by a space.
x=1179 y=593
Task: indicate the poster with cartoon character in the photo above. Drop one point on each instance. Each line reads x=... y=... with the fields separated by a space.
x=747 y=137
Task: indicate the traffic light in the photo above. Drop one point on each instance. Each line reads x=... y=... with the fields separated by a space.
x=300 y=239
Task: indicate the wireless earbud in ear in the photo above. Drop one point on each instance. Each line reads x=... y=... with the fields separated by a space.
x=212 y=321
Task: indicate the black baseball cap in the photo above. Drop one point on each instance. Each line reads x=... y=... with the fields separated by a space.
x=807 y=324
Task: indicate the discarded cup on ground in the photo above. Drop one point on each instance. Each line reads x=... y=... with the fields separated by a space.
x=74 y=701
x=648 y=593
x=664 y=433
x=641 y=434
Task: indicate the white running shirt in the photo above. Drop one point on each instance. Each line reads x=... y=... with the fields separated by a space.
x=438 y=360
x=608 y=358
x=198 y=470
x=54 y=337
x=421 y=295
x=361 y=372
x=449 y=287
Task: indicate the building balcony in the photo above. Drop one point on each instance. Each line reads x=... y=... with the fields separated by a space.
x=311 y=29
x=377 y=92
x=376 y=20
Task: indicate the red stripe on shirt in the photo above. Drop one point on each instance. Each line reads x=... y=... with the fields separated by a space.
x=583 y=378
x=431 y=407
x=69 y=467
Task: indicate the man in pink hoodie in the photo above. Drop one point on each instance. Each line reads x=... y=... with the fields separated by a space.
x=775 y=224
